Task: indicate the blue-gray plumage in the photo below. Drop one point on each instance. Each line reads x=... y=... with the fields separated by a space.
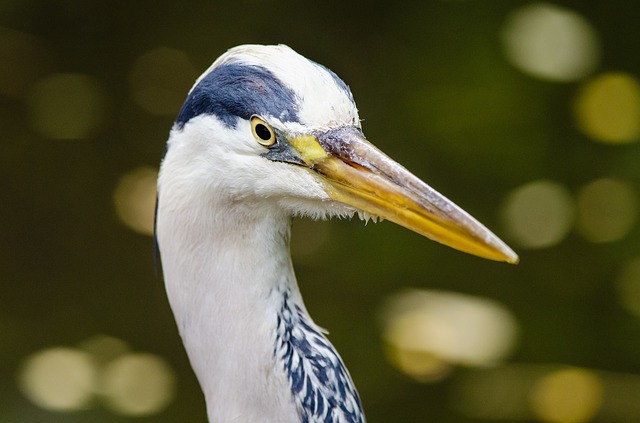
x=266 y=134
x=235 y=91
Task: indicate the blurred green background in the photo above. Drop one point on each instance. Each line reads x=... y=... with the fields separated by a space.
x=527 y=114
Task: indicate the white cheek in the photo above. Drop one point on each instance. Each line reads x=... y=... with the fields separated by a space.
x=287 y=180
x=220 y=165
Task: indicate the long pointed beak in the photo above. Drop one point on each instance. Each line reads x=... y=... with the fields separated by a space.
x=356 y=173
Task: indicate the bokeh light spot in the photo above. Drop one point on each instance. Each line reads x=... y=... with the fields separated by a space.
x=422 y=366
x=628 y=286
x=67 y=106
x=67 y=379
x=427 y=331
x=160 y=80
x=607 y=210
x=607 y=108
x=60 y=379
x=550 y=42
x=135 y=197
x=567 y=396
x=538 y=214
x=138 y=384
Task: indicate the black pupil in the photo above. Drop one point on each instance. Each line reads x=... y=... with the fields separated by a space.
x=263 y=132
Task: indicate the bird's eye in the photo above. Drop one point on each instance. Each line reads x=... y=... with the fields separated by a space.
x=262 y=132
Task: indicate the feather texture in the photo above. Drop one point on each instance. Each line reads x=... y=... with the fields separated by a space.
x=320 y=383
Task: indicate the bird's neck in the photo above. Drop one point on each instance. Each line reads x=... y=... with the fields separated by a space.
x=228 y=274
x=256 y=352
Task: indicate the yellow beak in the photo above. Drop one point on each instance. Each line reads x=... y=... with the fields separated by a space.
x=356 y=173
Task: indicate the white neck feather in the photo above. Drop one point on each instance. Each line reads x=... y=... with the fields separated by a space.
x=225 y=288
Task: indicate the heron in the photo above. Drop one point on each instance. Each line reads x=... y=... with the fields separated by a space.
x=266 y=135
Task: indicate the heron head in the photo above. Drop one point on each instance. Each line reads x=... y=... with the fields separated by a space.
x=266 y=127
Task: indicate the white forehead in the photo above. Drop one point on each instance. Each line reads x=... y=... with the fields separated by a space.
x=324 y=100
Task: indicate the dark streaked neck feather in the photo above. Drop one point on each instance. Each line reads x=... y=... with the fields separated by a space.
x=320 y=383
